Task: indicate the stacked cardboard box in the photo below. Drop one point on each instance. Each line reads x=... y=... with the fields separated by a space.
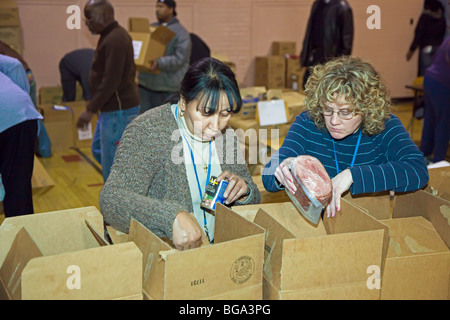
x=247 y=126
x=281 y=69
x=10 y=24
x=270 y=72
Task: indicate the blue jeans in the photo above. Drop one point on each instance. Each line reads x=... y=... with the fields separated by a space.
x=108 y=132
x=436 y=131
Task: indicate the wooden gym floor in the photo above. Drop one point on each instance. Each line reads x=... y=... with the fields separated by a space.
x=78 y=180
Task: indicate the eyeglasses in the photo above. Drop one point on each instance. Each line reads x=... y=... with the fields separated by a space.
x=343 y=114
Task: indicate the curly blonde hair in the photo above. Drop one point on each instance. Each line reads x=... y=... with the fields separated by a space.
x=356 y=81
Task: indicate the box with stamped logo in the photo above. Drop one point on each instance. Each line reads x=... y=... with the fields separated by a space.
x=339 y=259
x=231 y=268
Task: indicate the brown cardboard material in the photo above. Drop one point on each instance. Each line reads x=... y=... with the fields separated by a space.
x=418 y=260
x=250 y=96
x=9 y=14
x=378 y=205
x=285 y=214
x=54 y=94
x=51 y=245
x=322 y=266
x=12 y=37
x=229 y=269
x=270 y=72
x=438 y=184
x=77 y=107
x=294 y=72
x=149 y=42
x=58 y=124
x=280 y=48
x=61 y=125
x=41 y=182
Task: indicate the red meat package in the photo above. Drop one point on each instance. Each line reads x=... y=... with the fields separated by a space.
x=314 y=187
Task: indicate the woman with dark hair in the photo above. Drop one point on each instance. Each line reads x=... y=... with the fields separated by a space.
x=168 y=154
x=348 y=126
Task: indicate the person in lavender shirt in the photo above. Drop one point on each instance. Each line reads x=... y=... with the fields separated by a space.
x=18 y=133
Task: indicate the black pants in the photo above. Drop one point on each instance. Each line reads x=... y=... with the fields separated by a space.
x=151 y=99
x=16 y=167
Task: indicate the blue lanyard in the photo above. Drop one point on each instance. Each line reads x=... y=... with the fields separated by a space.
x=208 y=175
x=354 y=154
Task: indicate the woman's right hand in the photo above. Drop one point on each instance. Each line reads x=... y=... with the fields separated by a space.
x=187 y=234
x=284 y=176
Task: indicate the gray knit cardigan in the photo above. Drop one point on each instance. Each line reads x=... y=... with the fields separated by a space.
x=146 y=184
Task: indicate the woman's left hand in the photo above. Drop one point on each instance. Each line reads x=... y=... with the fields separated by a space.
x=237 y=186
x=341 y=183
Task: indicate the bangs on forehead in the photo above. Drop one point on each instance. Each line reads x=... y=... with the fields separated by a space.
x=208 y=102
x=331 y=90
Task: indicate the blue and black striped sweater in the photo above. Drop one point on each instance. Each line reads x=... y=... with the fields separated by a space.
x=386 y=161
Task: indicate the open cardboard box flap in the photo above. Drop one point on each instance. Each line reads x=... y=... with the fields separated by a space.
x=40 y=252
x=22 y=251
x=418 y=261
x=149 y=42
x=421 y=203
x=438 y=184
x=229 y=269
x=355 y=241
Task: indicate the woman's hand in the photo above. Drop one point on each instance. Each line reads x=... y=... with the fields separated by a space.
x=341 y=183
x=236 y=188
x=284 y=176
x=187 y=233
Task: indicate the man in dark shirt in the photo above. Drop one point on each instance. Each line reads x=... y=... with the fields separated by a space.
x=75 y=66
x=114 y=91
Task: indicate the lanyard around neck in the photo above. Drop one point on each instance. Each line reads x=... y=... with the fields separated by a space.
x=208 y=175
x=354 y=154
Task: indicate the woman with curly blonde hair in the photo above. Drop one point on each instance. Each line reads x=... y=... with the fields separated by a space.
x=348 y=126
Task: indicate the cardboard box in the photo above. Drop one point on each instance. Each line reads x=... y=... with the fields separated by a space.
x=41 y=182
x=80 y=141
x=418 y=258
x=12 y=37
x=270 y=72
x=229 y=269
x=304 y=262
x=378 y=205
x=294 y=73
x=280 y=48
x=250 y=97
x=295 y=103
x=149 y=42
x=438 y=184
x=54 y=94
x=9 y=14
x=61 y=124
x=58 y=124
x=55 y=255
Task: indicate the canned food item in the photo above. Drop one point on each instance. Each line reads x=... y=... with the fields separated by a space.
x=213 y=194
